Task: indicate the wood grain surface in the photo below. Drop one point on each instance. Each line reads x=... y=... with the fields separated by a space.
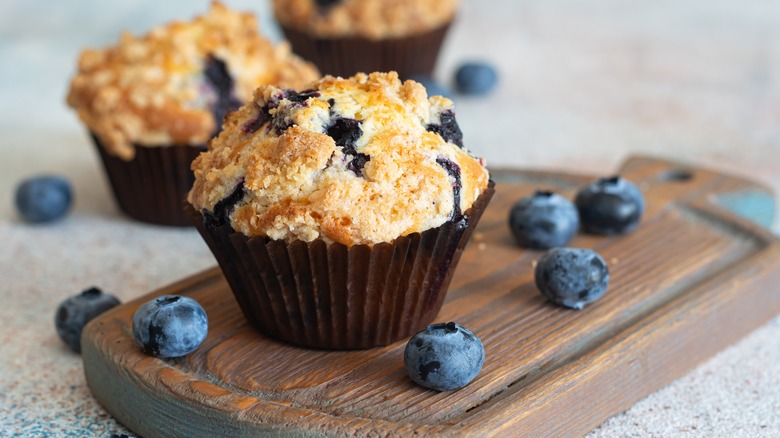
x=694 y=277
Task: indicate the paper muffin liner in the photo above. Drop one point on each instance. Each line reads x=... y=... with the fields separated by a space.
x=332 y=296
x=411 y=55
x=151 y=187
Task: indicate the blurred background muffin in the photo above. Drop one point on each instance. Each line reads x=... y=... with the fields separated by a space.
x=152 y=102
x=343 y=37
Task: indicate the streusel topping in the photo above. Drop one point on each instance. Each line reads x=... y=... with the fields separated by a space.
x=355 y=161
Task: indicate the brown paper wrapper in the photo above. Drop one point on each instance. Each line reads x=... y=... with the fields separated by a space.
x=412 y=55
x=337 y=297
x=151 y=187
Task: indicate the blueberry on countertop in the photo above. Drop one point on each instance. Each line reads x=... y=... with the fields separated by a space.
x=444 y=357
x=610 y=206
x=76 y=311
x=543 y=220
x=43 y=198
x=432 y=86
x=170 y=326
x=475 y=78
x=572 y=277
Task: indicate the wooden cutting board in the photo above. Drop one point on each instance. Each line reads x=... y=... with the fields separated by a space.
x=693 y=278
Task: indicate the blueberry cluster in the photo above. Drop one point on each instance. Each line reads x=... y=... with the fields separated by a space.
x=573 y=277
x=547 y=220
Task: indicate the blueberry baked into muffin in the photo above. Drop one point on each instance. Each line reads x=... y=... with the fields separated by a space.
x=152 y=102
x=343 y=37
x=338 y=213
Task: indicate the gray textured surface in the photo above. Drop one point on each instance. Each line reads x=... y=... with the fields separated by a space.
x=583 y=84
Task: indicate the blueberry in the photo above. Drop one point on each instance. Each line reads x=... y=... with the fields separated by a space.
x=453 y=170
x=447 y=128
x=75 y=312
x=572 y=277
x=444 y=357
x=432 y=86
x=170 y=326
x=610 y=206
x=346 y=132
x=43 y=198
x=217 y=74
x=475 y=78
x=543 y=220
x=220 y=215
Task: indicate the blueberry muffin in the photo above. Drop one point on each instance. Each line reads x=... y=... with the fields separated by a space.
x=344 y=37
x=349 y=202
x=152 y=102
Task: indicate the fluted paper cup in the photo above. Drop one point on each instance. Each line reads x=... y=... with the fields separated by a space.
x=332 y=296
x=151 y=187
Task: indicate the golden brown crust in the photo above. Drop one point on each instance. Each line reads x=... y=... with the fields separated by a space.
x=374 y=19
x=302 y=180
x=152 y=91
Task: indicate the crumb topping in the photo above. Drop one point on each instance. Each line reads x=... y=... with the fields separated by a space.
x=173 y=85
x=353 y=161
x=374 y=19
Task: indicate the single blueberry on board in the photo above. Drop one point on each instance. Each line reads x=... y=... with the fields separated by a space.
x=170 y=326
x=43 y=199
x=475 y=78
x=444 y=357
x=610 y=206
x=572 y=277
x=543 y=220
x=432 y=86
x=75 y=312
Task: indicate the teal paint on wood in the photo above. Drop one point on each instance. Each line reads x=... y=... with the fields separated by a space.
x=757 y=206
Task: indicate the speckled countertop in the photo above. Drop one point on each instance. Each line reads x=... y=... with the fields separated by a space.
x=583 y=85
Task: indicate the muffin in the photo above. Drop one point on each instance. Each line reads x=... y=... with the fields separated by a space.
x=343 y=37
x=152 y=102
x=338 y=213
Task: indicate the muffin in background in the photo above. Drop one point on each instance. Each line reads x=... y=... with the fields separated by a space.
x=338 y=213
x=152 y=102
x=344 y=37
